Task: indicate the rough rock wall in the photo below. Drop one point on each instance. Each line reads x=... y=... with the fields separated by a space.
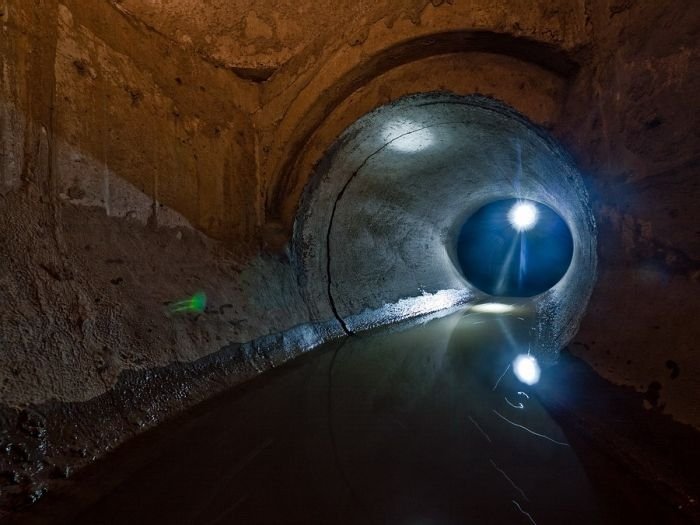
x=631 y=121
x=102 y=179
x=256 y=38
x=298 y=99
x=113 y=145
x=129 y=102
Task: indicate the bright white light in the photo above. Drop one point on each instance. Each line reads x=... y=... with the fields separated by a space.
x=422 y=305
x=492 y=308
x=408 y=136
x=526 y=369
x=523 y=216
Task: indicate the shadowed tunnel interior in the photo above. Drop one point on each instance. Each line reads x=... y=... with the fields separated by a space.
x=357 y=262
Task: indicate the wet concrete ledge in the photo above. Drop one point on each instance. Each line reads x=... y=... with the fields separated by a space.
x=43 y=445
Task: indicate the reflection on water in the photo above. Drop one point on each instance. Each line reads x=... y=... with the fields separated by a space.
x=420 y=425
x=432 y=424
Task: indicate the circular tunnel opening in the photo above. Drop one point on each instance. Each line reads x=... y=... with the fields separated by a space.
x=378 y=229
x=514 y=248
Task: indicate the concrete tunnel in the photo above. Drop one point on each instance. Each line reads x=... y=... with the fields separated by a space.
x=261 y=263
x=378 y=229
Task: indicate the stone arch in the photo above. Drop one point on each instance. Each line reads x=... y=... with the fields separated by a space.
x=288 y=170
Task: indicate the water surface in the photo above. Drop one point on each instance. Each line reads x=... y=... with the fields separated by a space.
x=403 y=425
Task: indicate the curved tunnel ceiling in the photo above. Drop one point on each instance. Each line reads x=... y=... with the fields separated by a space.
x=545 y=55
x=376 y=235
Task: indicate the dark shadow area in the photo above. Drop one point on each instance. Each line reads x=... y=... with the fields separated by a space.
x=644 y=463
x=426 y=424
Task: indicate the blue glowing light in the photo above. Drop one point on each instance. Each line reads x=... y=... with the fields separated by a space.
x=514 y=248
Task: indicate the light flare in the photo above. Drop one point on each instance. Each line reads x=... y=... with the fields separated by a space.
x=523 y=216
x=492 y=308
x=526 y=369
x=407 y=136
x=195 y=304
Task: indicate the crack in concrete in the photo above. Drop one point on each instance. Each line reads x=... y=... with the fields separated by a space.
x=337 y=315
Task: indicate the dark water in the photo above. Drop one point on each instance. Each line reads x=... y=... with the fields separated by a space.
x=416 y=426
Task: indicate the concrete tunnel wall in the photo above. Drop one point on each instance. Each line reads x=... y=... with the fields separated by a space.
x=146 y=153
x=376 y=233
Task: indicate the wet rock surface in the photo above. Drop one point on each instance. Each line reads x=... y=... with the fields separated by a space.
x=626 y=441
x=629 y=122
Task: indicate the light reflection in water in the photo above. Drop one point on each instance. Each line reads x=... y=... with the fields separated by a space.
x=492 y=308
x=455 y=388
x=527 y=369
x=520 y=404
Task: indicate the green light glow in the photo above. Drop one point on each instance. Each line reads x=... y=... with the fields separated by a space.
x=196 y=304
